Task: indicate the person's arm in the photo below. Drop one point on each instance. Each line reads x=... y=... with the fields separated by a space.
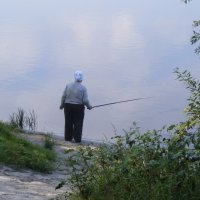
x=86 y=101
x=63 y=98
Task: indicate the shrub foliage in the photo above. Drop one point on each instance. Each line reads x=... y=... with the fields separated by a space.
x=159 y=164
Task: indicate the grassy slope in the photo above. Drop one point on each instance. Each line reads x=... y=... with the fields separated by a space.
x=21 y=153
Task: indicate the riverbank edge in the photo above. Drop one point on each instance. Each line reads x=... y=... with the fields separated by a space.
x=22 y=184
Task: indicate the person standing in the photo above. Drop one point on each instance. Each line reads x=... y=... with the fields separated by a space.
x=74 y=100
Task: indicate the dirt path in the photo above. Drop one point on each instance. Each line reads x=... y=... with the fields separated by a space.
x=26 y=184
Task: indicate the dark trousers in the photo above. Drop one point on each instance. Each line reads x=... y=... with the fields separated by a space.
x=74 y=115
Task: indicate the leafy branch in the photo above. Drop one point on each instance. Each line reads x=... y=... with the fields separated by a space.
x=196 y=33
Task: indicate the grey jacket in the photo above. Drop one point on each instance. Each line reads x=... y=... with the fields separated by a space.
x=75 y=93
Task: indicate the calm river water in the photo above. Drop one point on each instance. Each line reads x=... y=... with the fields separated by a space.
x=126 y=49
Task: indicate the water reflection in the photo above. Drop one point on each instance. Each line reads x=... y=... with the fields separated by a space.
x=126 y=51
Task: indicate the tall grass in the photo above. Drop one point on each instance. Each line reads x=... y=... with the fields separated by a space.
x=22 y=119
x=18 y=152
x=31 y=120
x=18 y=119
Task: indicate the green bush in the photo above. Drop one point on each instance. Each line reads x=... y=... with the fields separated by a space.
x=21 y=153
x=138 y=166
x=146 y=165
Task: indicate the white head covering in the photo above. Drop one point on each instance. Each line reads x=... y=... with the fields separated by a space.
x=78 y=75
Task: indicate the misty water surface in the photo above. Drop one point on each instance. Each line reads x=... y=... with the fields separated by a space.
x=126 y=49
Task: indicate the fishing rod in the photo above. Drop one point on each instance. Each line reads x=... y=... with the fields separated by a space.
x=106 y=104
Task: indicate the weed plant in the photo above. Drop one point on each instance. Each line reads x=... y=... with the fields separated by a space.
x=18 y=152
x=141 y=166
x=49 y=141
x=31 y=120
x=22 y=119
x=18 y=119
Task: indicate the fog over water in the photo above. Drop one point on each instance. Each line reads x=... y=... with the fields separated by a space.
x=126 y=49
